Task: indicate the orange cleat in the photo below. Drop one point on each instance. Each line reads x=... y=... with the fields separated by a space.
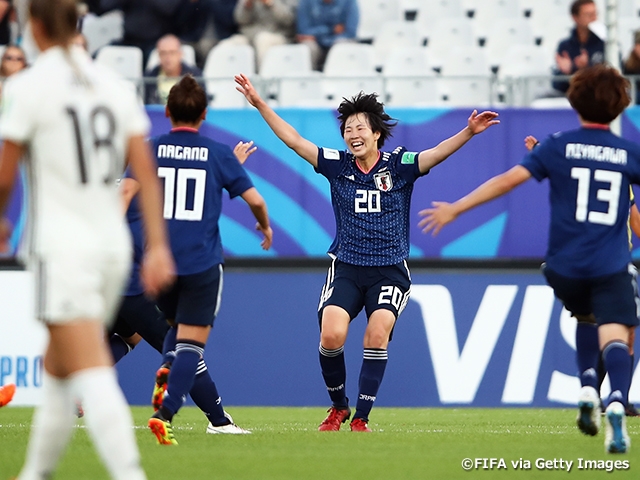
x=6 y=393
x=336 y=417
x=359 y=425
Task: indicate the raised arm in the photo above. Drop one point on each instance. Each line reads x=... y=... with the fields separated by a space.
x=259 y=209
x=443 y=213
x=282 y=129
x=477 y=123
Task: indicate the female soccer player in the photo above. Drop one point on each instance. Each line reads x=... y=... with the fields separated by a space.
x=588 y=263
x=74 y=125
x=371 y=196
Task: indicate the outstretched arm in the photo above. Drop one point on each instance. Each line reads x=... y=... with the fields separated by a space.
x=259 y=209
x=282 y=129
x=477 y=123
x=443 y=213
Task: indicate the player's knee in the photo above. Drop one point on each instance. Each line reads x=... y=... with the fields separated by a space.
x=332 y=339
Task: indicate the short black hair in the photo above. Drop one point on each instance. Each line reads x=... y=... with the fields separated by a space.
x=368 y=104
x=577 y=5
x=187 y=100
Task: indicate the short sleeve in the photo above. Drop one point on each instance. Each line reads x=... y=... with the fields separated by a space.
x=407 y=165
x=534 y=161
x=17 y=118
x=330 y=162
x=234 y=177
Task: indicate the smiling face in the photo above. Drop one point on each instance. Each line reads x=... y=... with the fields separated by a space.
x=359 y=137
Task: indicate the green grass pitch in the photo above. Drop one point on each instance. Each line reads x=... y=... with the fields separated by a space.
x=407 y=443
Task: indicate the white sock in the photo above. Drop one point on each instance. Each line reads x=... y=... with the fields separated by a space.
x=109 y=421
x=51 y=429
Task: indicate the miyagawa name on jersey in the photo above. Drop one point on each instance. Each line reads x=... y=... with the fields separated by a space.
x=596 y=152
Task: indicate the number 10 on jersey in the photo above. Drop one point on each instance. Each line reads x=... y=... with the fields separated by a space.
x=176 y=189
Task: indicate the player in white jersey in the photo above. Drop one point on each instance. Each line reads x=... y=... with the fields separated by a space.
x=74 y=126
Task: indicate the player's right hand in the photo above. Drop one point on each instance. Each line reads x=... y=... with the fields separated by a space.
x=158 y=269
x=268 y=236
x=243 y=150
x=244 y=86
x=5 y=235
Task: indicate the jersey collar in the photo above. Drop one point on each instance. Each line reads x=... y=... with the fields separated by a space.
x=596 y=126
x=184 y=129
x=372 y=166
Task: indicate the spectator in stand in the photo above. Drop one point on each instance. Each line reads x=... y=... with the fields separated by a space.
x=145 y=21
x=322 y=23
x=264 y=24
x=632 y=64
x=583 y=48
x=192 y=19
x=169 y=71
x=13 y=60
x=6 y=16
x=224 y=24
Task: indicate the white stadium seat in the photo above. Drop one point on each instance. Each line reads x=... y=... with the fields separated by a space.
x=393 y=34
x=447 y=34
x=349 y=68
x=127 y=61
x=222 y=64
x=293 y=82
x=409 y=79
x=504 y=33
x=525 y=74
x=373 y=13
x=486 y=12
x=102 y=30
x=465 y=77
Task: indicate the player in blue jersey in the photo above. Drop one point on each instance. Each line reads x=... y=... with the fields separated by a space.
x=371 y=195
x=588 y=263
x=195 y=170
x=633 y=225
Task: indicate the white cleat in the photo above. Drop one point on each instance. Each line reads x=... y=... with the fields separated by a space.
x=616 y=437
x=231 y=428
x=589 y=411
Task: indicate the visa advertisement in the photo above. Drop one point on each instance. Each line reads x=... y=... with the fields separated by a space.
x=466 y=338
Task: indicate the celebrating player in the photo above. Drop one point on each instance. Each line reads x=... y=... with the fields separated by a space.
x=195 y=170
x=588 y=263
x=371 y=195
x=77 y=125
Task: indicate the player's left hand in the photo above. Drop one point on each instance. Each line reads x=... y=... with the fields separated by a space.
x=243 y=150
x=437 y=217
x=268 y=236
x=479 y=122
x=5 y=235
x=158 y=269
x=530 y=141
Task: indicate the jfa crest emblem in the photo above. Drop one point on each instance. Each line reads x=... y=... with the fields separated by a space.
x=383 y=181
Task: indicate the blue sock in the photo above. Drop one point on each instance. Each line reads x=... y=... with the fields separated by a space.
x=181 y=376
x=334 y=373
x=617 y=359
x=119 y=348
x=169 y=346
x=373 y=366
x=205 y=395
x=587 y=353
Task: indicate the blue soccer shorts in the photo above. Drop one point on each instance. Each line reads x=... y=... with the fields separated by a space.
x=611 y=298
x=353 y=288
x=193 y=299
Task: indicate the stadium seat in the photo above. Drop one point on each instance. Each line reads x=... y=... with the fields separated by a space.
x=127 y=61
x=447 y=34
x=628 y=9
x=465 y=77
x=552 y=30
x=551 y=103
x=350 y=67
x=504 y=33
x=487 y=11
x=289 y=77
x=409 y=80
x=188 y=57
x=102 y=30
x=373 y=13
x=394 y=34
x=222 y=63
x=525 y=74
x=430 y=12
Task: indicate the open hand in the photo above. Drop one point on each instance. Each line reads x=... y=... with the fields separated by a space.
x=530 y=141
x=437 y=217
x=243 y=150
x=268 y=236
x=244 y=86
x=479 y=122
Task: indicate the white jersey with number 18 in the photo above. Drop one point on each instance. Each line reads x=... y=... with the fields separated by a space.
x=76 y=119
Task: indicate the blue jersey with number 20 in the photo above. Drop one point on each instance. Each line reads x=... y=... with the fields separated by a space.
x=589 y=172
x=195 y=170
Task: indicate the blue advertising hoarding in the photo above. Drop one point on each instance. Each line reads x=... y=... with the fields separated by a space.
x=466 y=338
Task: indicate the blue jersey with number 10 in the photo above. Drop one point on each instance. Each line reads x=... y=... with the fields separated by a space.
x=589 y=171
x=195 y=170
x=372 y=208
